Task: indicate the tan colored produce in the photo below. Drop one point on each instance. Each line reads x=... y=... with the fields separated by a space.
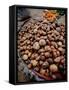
x=42 y=71
x=47 y=54
x=25 y=57
x=34 y=62
x=60 y=43
x=36 y=46
x=29 y=66
x=42 y=42
x=47 y=48
x=45 y=64
x=53 y=68
x=57 y=60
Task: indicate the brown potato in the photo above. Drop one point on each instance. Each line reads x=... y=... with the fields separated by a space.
x=53 y=68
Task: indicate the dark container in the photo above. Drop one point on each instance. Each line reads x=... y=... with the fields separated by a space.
x=21 y=15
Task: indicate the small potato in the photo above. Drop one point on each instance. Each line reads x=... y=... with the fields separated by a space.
x=24 y=47
x=53 y=68
x=42 y=42
x=36 y=69
x=25 y=57
x=57 y=60
x=54 y=44
x=29 y=66
x=34 y=62
x=60 y=49
x=26 y=52
x=54 y=54
x=59 y=43
x=29 y=54
x=41 y=50
x=56 y=32
x=40 y=62
x=61 y=67
x=62 y=61
x=38 y=58
x=35 y=31
x=61 y=38
x=37 y=38
x=45 y=65
x=47 y=54
x=42 y=57
x=54 y=76
x=28 y=41
x=23 y=39
x=42 y=54
x=36 y=46
x=58 y=29
x=42 y=71
x=58 y=53
x=47 y=48
x=52 y=47
x=32 y=56
x=50 y=60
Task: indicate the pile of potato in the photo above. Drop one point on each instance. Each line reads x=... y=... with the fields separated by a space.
x=41 y=45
